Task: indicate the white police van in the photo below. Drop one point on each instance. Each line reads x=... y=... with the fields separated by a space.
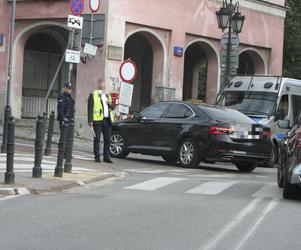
x=265 y=99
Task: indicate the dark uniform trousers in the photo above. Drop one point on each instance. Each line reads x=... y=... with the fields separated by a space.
x=104 y=127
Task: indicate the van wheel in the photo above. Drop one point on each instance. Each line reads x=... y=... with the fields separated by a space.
x=188 y=154
x=273 y=161
x=117 y=145
x=246 y=166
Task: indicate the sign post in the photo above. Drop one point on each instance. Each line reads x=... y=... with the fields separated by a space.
x=128 y=73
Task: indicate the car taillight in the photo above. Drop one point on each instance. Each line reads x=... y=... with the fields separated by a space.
x=298 y=140
x=214 y=130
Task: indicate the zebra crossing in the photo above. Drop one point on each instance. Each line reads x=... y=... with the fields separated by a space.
x=209 y=188
x=24 y=162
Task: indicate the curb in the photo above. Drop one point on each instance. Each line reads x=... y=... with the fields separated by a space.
x=37 y=191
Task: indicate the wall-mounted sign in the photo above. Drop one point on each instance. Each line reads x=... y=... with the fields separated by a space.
x=178 y=51
x=90 y=49
x=115 y=53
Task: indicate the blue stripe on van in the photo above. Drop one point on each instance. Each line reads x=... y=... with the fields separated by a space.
x=257 y=120
x=280 y=136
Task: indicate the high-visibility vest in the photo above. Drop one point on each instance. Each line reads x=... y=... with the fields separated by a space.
x=98 y=108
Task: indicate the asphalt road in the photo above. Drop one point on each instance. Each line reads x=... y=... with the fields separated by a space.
x=157 y=206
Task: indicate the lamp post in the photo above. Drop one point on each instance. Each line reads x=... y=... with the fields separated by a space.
x=229 y=17
x=7 y=110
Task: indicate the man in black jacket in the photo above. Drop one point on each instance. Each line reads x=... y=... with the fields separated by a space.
x=100 y=119
x=65 y=104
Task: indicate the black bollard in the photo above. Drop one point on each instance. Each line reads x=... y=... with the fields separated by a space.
x=7 y=113
x=37 y=169
x=9 y=177
x=50 y=134
x=60 y=156
x=69 y=146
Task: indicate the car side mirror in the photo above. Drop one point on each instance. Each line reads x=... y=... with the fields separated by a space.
x=284 y=124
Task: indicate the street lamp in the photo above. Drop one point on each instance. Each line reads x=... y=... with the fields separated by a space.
x=229 y=17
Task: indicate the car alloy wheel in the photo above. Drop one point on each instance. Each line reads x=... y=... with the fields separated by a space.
x=117 y=145
x=188 y=155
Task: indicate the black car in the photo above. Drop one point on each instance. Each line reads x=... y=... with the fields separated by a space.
x=289 y=169
x=191 y=133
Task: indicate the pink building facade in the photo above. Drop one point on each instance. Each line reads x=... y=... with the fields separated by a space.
x=146 y=31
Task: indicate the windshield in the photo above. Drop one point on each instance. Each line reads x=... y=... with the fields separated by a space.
x=250 y=103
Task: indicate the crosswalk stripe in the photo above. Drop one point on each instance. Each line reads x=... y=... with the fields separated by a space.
x=211 y=188
x=269 y=190
x=155 y=183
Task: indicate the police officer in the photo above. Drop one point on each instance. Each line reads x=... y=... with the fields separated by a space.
x=65 y=104
x=100 y=118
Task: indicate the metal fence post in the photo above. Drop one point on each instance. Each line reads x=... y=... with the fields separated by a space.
x=49 y=134
x=9 y=177
x=37 y=169
x=60 y=156
x=69 y=147
x=7 y=113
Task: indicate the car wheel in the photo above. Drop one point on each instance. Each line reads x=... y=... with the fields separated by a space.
x=280 y=177
x=117 y=145
x=290 y=191
x=170 y=158
x=188 y=154
x=246 y=166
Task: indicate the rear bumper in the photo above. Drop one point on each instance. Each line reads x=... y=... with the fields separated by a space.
x=234 y=157
x=228 y=150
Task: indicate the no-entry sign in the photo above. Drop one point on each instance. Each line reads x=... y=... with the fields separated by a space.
x=94 y=5
x=128 y=71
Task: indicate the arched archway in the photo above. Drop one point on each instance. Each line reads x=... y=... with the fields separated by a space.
x=250 y=63
x=59 y=32
x=147 y=51
x=42 y=53
x=200 y=72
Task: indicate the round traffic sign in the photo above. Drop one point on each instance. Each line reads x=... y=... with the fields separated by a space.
x=77 y=7
x=94 y=5
x=128 y=71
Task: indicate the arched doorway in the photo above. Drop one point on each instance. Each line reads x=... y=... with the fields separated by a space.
x=250 y=63
x=200 y=72
x=147 y=53
x=42 y=53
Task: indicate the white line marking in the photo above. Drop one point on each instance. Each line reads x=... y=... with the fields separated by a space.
x=269 y=207
x=155 y=183
x=238 y=219
x=9 y=197
x=269 y=191
x=211 y=188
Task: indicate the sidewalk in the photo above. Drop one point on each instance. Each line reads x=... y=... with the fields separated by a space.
x=84 y=171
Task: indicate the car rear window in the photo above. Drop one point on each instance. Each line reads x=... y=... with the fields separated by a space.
x=224 y=114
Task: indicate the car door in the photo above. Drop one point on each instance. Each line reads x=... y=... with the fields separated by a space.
x=141 y=132
x=175 y=122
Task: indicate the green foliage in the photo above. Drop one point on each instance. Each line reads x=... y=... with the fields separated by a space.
x=202 y=81
x=292 y=40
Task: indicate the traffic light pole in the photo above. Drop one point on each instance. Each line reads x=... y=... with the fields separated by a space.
x=7 y=110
